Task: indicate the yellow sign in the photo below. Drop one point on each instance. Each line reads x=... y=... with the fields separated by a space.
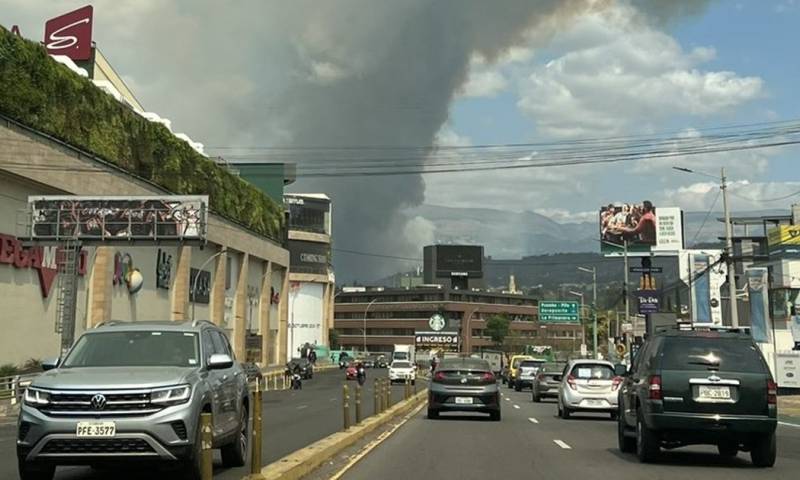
x=783 y=235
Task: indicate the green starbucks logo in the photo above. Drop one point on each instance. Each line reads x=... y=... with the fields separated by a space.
x=437 y=322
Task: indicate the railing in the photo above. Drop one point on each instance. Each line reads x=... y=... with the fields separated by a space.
x=13 y=387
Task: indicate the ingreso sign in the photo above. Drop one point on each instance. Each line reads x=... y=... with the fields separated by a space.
x=558 y=312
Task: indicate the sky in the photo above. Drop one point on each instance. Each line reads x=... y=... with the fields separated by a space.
x=345 y=73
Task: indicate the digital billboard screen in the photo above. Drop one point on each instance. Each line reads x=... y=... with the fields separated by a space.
x=466 y=259
x=642 y=226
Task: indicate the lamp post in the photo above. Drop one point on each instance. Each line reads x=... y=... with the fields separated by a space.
x=365 y=323
x=583 y=334
x=593 y=271
x=723 y=186
x=197 y=275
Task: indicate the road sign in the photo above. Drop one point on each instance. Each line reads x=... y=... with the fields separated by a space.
x=584 y=350
x=558 y=312
x=645 y=269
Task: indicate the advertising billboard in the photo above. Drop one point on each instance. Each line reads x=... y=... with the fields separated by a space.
x=644 y=227
x=58 y=218
x=704 y=274
x=784 y=240
x=70 y=34
x=458 y=259
x=759 y=307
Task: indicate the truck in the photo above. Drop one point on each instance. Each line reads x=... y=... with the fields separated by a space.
x=404 y=353
x=495 y=359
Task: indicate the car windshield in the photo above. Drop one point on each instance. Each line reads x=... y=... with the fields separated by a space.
x=401 y=365
x=590 y=371
x=709 y=353
x=135 y=349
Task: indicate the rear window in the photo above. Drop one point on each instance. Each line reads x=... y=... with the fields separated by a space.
x=589 y=371
x=515 y=362
x=401 y=365
x=531 y=363
x=703 y=354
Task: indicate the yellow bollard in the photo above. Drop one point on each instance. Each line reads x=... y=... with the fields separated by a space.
x=376 y=397
x=358 y=404
x=387 y=392
x=255 y=458
x=206 y=442
x=346 y=406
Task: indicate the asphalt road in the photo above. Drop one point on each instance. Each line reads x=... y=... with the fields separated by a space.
x=531 y=442
x=292 y=420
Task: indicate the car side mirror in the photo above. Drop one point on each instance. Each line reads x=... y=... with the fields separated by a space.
x=219 y=361
x=50 y=363
x=620 y=370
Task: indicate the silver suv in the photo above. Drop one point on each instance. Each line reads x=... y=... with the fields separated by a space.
x=135 y=391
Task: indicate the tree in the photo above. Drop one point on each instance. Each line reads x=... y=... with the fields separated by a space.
x=333 y=339
x=497 y=327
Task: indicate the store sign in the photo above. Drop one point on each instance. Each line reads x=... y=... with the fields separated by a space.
x=70 y=34
x=648 y=301
x=437 y=322
x=426 y=340
x=784 y=240
x=163 y=269
x=44 y=260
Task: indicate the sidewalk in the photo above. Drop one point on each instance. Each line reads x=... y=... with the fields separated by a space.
x=789 y=406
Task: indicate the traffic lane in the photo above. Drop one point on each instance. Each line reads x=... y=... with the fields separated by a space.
x=292 y=420
x=532 y=441
x=594 y=436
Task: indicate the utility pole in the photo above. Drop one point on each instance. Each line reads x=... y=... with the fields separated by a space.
x=734 y=308
x=625 y=282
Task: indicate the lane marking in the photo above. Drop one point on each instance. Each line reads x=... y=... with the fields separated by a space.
x=787 y=424
x=562 y=444
x=516 y=406
x=533 y=420
x=508 y=399
x=332 y=399
x=300 y=407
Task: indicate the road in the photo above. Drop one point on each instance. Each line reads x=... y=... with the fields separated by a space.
x=292 y=420
x=531 y=442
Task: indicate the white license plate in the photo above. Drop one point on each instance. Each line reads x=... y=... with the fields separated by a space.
x=714 y=392
x=464 y=400
x=96 y=429
x=594 y=402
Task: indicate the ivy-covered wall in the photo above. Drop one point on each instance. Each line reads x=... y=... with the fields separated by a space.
x=42 y=94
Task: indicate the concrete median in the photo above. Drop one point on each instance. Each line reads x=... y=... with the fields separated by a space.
x=302 y=462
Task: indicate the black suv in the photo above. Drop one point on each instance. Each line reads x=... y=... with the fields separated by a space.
x=709 y=387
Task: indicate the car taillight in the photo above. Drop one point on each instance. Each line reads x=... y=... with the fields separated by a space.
x=571 y=382
x=616 y=382
x=772 y=392
x=655 y=387
x=488 y=377
x=438 y=377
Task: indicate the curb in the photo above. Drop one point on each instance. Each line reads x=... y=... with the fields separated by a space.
x=302 y=462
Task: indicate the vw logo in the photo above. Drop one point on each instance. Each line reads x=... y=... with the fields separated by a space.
x=98 y=402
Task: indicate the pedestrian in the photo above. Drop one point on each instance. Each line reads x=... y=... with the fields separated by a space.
x=312 y=357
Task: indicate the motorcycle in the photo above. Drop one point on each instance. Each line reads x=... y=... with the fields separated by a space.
x=361 y=376
x=297 y=382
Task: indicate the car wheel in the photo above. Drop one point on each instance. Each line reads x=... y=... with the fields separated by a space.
x=433 y=414
x=510 y=383
x=191 y=468
x=613 y=415
x=647 y=447
x=496 y=416
x=234 y=454
x=764 y=450
x=517 y=387
x=34 y=471
x=728 y=449
x=626 y=444
x=563 y=411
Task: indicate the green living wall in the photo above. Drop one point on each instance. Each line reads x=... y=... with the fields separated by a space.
x=44 y=95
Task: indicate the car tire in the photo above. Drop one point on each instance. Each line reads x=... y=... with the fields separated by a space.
x=495 y=416
x=35 y=471
x=535 y=397
x=626 y=444
x=234 y=454
x=614 y=415
x=433 y=414
x=727 y=449
x=517 y=387
x=764 y=451
x=647 y=444
x=191 y=468
x=510 y=383
x=563 y=411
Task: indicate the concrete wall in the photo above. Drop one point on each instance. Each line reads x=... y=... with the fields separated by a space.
x=150 y=303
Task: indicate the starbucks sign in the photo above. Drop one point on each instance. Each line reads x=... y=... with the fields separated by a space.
x=437 y=322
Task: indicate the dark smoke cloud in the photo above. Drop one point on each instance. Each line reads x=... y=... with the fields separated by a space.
x=314 y=72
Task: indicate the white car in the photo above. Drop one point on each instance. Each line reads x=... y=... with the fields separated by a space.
x=400 y=371
x=588 y=386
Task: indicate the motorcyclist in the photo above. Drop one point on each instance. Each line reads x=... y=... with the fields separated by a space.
x=361 y=373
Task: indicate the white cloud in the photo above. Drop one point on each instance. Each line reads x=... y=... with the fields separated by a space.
x=621 y=75
x=561 y=215
x=742 y=194
x=485 y=83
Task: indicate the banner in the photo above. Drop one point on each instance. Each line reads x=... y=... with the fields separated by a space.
x=759 y=308
x=784 y=240
x=701 y=288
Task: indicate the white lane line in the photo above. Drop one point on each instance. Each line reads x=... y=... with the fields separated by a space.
x=332 y=399
x=516 y=406
x=562 y=444
x=533 y=420
x=787 y=424
x=300 y=407
x=508 y=399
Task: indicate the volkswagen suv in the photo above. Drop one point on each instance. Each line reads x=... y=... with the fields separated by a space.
x=708 y=386
x=135 y=392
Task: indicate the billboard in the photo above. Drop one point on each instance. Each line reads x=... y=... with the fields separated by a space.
x=784 y=240
x=70 y=34
x=464 y=260
x=702 y=272
x=642 y=226
x=58 y=218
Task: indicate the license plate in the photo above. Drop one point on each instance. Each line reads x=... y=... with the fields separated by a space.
x=464 y=400
x=593 y=402
x=96 y=429
x=714 y=392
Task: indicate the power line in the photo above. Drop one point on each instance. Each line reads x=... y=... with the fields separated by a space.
x=705 y=219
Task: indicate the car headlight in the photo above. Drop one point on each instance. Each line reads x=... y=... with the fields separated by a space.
x=36 y=398
x=171 y=395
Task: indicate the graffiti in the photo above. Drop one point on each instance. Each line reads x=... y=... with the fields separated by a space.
x=163 y=269
x=126 y=273
x=201 y=279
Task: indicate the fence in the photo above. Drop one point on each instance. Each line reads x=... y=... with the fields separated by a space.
x=13 y=387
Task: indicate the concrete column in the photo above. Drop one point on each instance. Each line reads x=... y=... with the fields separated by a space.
x=240 y=310
x=264 y=307
x=100 y=287
x=283 y=320
x=217 y=303
x=181 y=285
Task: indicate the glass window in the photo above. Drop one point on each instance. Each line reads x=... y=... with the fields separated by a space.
x=208 y=345
x=135 y=349
x=587 y=371
x=702 y=353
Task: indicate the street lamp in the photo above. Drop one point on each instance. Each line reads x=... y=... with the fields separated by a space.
x=583 y=327
x=723 y=186
x=197 y=275
x=593 y=271
x=365 y=323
